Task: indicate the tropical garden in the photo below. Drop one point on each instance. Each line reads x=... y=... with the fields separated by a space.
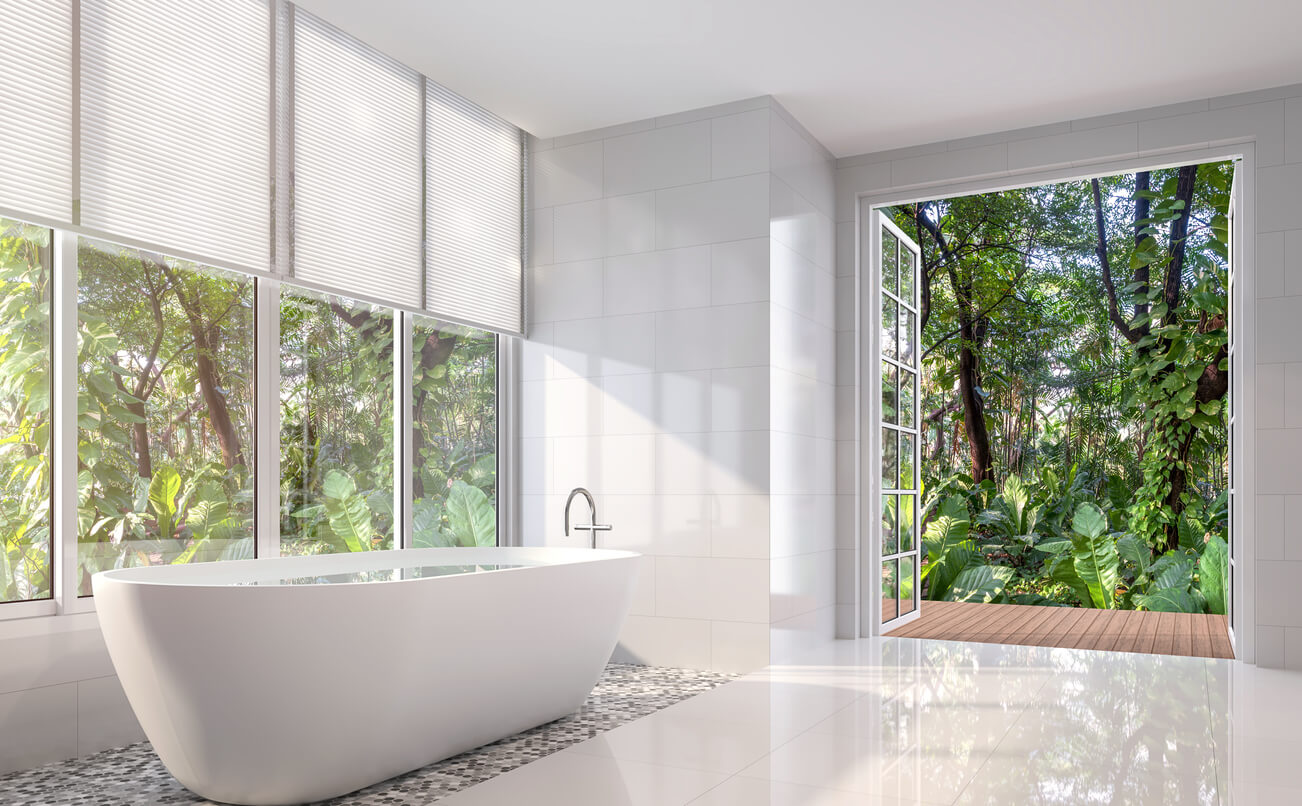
x=1075 y=374
x=166 y=423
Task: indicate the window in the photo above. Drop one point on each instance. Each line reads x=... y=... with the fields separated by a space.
x=165 y=413
x=336 y=425
x=25 y=404
x=454 y=435
x=192 y=360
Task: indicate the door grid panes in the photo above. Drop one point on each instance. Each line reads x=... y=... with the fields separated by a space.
x=897 y=262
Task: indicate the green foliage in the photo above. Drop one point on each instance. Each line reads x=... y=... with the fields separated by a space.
x=1213 y=572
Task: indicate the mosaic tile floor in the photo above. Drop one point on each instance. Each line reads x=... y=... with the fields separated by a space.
x=134 y=775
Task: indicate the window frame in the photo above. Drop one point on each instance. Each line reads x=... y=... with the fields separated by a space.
x=266 y=464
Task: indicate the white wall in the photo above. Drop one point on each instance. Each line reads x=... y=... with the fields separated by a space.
x=802 y=394
x=59 y=697
x=679 y=363
x=1271 y=121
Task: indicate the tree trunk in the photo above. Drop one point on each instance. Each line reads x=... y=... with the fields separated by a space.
x=436 y=349
x=214 y=399
x=974 y=418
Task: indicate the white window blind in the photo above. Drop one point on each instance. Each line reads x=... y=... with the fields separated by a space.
x=357 y=167
x=176 y=125
x=36 y=96
x=473 y=167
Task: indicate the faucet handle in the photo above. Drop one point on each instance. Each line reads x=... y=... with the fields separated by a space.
x=592 y=527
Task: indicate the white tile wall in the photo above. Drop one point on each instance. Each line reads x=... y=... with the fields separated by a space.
x=1272 y=121
x=59 y=698
x=646 y=376
x=697 y=258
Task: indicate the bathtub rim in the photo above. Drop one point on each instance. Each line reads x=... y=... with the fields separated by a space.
x=227 y=574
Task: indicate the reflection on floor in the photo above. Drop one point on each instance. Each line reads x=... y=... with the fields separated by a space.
x=1196 y=636
x=905 y=721
x=134 y=775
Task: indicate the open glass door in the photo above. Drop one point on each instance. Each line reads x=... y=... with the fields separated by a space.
x=889 y=260
x=1235 y=253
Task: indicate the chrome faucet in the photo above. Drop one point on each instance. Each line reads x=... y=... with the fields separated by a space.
x=591 y=525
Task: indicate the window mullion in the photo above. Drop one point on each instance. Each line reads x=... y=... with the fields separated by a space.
x=64 y=312
x=267 y=422
x=403 y=400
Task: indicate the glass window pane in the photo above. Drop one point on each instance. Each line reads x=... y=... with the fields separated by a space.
x=336 y=425
x=890 y=465
x=25 y=403
x=890 y=603
x=890 y=402
x=906 y=585
x=890 y=261
x=165 y=410
x=908 y=444
x=890 y=323
x=905 y=529
x=454 y=435
x=907 y=285
x=906 y=338
x=890 y=542
x=907 y=380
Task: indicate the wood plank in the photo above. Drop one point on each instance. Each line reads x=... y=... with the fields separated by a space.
x=1009 y=626
x=1202 y=637
x=1082 y=634
x=1183 y=638
x=1129 y=638
x=1026 y=634
x=1165 y=641
x=1148 y=628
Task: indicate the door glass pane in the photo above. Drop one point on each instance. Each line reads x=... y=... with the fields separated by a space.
x=890 y=324
x=907 y=380
x=165 y=400
x=890 y=464
x=907 y=443
x=890 y=261
x=336 y=424
x=906 y=338
x=890 y=542
x=454 y=435
x=25 y=402
x=890 y=572
x=906 y=585
x=905 y=527
x=907 y=285
x=890 y=395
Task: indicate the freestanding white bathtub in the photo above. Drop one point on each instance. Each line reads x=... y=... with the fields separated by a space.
x=295 y=679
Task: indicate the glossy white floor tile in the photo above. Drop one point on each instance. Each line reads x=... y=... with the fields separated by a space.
x=905 y=721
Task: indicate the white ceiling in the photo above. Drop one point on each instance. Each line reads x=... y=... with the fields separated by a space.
x=862 y=75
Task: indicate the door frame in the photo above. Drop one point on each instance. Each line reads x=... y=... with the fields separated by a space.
x=871 y=368
x=1242 y=371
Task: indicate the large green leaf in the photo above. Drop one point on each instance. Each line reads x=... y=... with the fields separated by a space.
x=1213 y=568
x=1094 y=555
x=162 y=498
x=1168 y=600
x=1135 y=551
x=980 y=583
x=1172 y=570
x=471 y=517
x=347 y=512
x=948 y=529
x=943 y=571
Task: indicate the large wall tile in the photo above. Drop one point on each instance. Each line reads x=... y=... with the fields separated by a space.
x=712 y=212
x=739 y=144
x=658 y=281
x=104 y=717
x=566 y=175
x=659 y=158
x=40 y=726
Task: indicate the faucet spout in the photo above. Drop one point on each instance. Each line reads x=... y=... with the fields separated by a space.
x=592 y=525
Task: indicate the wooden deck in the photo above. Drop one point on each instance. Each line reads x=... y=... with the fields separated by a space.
x=1196 y=636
